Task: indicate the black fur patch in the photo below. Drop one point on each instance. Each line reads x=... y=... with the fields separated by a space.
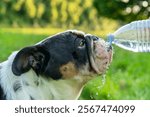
x=34 y=57
x=32 y=98
x=2 y=94
x=17 y=86
x=47 y=57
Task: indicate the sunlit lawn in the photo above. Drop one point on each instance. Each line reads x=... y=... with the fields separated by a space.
x=127 y=78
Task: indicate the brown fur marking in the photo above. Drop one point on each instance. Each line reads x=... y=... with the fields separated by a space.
x=68 y=70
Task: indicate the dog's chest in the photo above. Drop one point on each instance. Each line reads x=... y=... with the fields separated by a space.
x=43 y=89
x=31 y=87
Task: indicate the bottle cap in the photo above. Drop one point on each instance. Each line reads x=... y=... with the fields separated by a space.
x=110 y=38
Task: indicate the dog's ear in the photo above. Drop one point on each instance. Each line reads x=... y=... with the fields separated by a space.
x=30 y=57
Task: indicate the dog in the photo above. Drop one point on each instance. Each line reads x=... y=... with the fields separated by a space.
x=56 y=68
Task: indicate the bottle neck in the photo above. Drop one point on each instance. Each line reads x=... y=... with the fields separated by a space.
x=110 y=38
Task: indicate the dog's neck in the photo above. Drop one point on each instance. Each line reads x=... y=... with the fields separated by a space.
x=40 y=88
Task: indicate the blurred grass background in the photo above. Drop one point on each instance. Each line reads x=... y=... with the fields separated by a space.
x=26 y=22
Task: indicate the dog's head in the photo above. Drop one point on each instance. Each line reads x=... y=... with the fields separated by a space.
x=64 y=55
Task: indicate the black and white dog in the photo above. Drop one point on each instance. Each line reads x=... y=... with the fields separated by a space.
x=56 y=68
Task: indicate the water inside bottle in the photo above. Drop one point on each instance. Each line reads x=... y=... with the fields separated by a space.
x=134 y=36
x=132 y=45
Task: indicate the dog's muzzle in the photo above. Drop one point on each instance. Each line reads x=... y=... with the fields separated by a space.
x=100 y=54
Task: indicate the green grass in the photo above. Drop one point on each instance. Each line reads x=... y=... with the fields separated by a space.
x=127 y=78
x=10 y=42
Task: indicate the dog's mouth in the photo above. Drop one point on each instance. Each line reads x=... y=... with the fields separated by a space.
x=99 y=54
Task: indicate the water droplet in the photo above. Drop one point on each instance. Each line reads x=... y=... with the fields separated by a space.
x=91 y=96
x=96 y=94
x=103 y=79
x=99 y=87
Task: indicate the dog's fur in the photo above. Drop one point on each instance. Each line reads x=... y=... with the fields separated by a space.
x=56 y=68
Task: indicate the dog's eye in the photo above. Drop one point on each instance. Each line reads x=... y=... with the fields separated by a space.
x=82 y=43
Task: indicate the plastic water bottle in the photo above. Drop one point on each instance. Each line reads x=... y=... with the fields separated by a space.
x=134 y=36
